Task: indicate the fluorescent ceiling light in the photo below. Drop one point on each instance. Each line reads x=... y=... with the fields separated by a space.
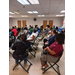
x=23 y=2
x=16 y=12
x=39 y=15
x=35 y=12
x=34 y=1
x=24 y=16
x=11 y=13
x=42 y=15
x=30 y=12
x=59 y=15
x=10 y=16
x=63 y=11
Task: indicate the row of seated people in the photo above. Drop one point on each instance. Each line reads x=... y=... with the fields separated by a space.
x=21 y=46
x=53 y=46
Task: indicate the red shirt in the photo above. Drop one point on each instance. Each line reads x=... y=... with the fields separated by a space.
x=57 y=48
x=15 y=32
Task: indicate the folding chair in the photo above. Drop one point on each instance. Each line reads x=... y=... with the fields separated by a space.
x=30 y=49
x=52 y=65
x=19 y=63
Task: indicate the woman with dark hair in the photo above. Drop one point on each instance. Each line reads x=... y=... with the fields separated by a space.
x=54 y=50
x=20 y=48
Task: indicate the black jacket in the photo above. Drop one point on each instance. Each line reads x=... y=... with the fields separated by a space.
x=20 y=49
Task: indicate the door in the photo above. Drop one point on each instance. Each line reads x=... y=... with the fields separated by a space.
x=19 y=23
x=24 y=23
x=51 y=23
x=44 y=24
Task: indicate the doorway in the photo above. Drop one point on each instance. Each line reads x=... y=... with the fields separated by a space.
x=51 y=23
x=24 y=23
x=44 y=24
x=19 y=23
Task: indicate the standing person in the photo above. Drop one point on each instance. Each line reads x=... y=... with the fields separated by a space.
x=15 y=31
x=20 y=49
x=54 y=50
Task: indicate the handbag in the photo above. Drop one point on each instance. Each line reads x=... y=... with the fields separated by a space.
x=45 y=52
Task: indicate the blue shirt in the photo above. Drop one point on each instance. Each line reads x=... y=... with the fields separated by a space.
x=51 y=39
x=60 y=29
x=53 y=27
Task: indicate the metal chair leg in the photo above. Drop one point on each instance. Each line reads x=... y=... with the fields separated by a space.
x=54 y=69
x=19 y=63
x=15 y=66
x=51 y=66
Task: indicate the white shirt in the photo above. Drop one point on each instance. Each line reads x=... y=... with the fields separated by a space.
x=30 y=37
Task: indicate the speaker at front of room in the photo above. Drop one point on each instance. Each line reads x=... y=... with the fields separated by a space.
x=34 y=19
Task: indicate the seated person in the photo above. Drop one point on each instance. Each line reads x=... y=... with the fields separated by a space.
x=48 y=34
x=10 y=32
x=54 y=51
x=51 y=39
x=25 y=30
x=53 y=27
x=20 y=48
x=30 y=30
x=45 y=32
x=32 y=36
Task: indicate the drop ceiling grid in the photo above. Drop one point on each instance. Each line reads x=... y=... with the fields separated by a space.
x=44 y=8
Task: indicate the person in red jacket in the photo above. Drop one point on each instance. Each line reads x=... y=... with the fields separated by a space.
x=15 y=31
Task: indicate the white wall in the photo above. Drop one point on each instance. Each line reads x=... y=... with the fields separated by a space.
x=29 y=21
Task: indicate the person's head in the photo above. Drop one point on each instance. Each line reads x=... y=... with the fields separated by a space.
x=35 y=26
x=54 y=32
x=25 y=25
x=47 y=26
x=53 y=25
x=60 y=38
x=23 y=37
x=32 y=26
x=10 y=30
x=13 y=27
x=56 y=28
x=51 y=28
x=34 y=30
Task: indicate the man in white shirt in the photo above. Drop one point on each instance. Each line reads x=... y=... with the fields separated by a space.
x=32 y=36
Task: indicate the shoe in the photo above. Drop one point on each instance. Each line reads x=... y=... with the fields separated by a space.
x=45 y=66
x=40 y=39
x=25 y=62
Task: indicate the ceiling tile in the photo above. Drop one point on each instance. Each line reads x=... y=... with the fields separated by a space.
x=44 y=1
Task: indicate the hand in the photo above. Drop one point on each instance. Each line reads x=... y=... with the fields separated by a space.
x=45 y=49
x=46 y=43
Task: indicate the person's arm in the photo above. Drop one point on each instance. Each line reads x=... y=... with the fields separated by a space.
x=50 y=51
x=32 y=38
x=46 y=43
x=51 y=40
x=14 y=46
